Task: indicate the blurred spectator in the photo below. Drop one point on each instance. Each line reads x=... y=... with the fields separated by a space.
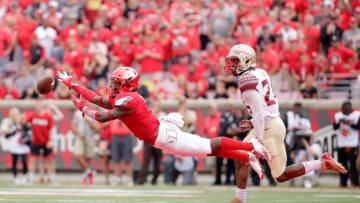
x=121 y=151
x=211 y=130
x=328 y=31
x=85 y=129
x=53 y=16
x=6 y=46
x=185 y=166
x=35 y=56
x=189 y=116
x=168 y=168
x=25 y=31
x=41 y=146
x=131 y=9
x=341 y=58
x=351 y=37
x=150 y=56
x=311 y=35
x=46 y=36
x=57 y=53
x=265 y=36
x=227 y=121
x=308 y=90
x=72 y=8
x=287 y=32
x=123 y=51
x=8 y=91
x=24 y=80
x=105 y=149
x=74 y=58
x=222 y=21
x=271 y=64
x=300 y=142
x=298 y=128
x=16 y=132
x=150 y=152
x=347 y=125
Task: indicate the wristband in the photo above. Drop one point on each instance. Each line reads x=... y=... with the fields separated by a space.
x=92 y=113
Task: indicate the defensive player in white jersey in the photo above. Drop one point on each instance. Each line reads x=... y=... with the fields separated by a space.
x=266 y=125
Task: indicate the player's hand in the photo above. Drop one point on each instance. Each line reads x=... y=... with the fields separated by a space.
x=65 y=78
x=79 y=103
x=260 y=139
x=49 y=145
x=82 y=136
x=245 y=125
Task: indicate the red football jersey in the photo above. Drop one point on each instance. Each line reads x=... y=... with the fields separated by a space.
x=142 y=122
x=41 y=126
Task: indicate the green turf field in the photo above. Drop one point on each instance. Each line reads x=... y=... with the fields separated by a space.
x=162 y=194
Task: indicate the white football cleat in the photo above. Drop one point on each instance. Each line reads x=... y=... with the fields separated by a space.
x=260 y=151
x=255 y=165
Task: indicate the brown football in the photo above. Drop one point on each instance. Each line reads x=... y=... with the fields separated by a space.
x=45 y=84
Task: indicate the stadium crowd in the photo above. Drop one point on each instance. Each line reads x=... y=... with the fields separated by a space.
x=178 y=46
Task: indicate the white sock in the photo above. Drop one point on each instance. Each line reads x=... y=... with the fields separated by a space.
x=31 y=177
x=117 y=179
x=312 y=166
x=52 y=177
x=241 y=194
x=86 y=173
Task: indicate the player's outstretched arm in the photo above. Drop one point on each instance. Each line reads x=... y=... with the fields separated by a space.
x=253 y=98
x=101 y=116
x=85 y=93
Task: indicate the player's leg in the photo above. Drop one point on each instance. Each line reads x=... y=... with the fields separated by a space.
x=221 y=144
x=127 y=157
x=242 y=173
x=14 y=163
x=24 y=163
x=90 y=154
x=358 y=161
x=145 y=166
x=33 y=158
x=42 y=168
x=173 y=140
x=50 y=164
x=298 y=169
x=354 y=176
x=106 y=168
x=116 y=158
x=157 y=154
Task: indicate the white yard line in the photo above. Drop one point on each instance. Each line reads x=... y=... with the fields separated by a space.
x=100 y=192
x=337 y=196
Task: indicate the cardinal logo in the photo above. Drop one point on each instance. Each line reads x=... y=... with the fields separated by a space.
x=171 y=136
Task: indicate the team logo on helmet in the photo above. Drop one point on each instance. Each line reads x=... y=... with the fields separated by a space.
x=123 y=79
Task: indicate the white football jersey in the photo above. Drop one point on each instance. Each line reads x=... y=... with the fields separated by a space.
x=259 y=80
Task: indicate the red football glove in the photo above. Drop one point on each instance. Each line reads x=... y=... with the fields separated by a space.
x=245 y=125
x=79 y=103
x=65 y=78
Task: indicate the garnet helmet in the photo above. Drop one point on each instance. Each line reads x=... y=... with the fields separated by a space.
x=123 y=79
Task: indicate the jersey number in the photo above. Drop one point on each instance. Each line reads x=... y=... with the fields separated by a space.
x=269 y=97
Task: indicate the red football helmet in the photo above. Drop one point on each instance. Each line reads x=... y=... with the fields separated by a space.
x=123 y=79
